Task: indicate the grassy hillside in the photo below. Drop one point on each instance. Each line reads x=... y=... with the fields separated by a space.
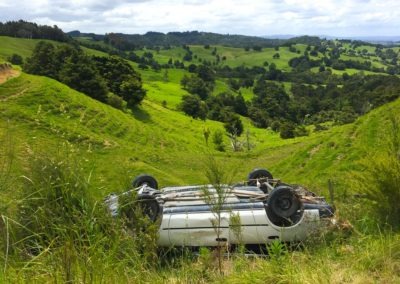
x=149 y=140
x=42 y=117
x=40 y=114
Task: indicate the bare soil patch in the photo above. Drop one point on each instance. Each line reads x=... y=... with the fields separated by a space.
x=6 y=74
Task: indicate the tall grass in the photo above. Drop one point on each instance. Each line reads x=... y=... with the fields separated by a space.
x=380 y=181
x=60 y=232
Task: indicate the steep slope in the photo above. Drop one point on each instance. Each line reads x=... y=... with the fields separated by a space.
x=159 y=140
x=42 y=113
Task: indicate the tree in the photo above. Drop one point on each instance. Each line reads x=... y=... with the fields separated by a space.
x=121 y=78
x=16 y=59
x=240 y=106
x=41 y=61
x=195 y=86
x=192 y=105
x=132 y=92
x=218 y=140
x=206 y=73
x=287 y=130
x=82 y=76
x=233 y=125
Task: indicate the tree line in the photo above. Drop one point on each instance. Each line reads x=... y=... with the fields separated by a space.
x=272 y=106
x=110 y=79
x=24 y=29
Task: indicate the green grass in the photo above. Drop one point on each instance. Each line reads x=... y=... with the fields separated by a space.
x=350 y=71
x=144 y=140
x=21 y=46
x=234 y=56
x=150 y=140
x=41 y=115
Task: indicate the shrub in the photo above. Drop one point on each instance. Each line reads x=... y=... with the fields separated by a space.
x=300 y=131
x=73 y=236
x=218 y=140
x=287 y=130
x=116 y=101
x=381 y=179
x=16 y=59
x=55 y=207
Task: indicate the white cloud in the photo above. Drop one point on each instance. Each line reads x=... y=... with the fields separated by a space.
x=256 y=17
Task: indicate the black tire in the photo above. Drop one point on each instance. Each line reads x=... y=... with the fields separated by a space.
x=149 y=206
x=258 y=174
x=283 y=202
x=145 y=179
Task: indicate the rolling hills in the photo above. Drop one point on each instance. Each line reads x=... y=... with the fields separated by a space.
x=40 y=116
x=147 y=139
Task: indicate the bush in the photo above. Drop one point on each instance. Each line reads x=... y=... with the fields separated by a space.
x=55 y=207
x=16 y=59
x=218 y=140
x=192 y=105
x=116 y=101
x=287 y=130
x=320 y=127
x=275 y=125
x=381 y=179
x=301 y=131
x=233 y=125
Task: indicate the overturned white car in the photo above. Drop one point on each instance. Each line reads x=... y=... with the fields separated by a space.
x=254 y=212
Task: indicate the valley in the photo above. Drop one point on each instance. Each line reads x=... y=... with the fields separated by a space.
x=343 y=114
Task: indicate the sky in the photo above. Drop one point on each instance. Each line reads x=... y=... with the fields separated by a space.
x=343 y=18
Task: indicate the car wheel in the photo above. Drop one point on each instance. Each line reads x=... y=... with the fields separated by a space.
x=149 y=206
x=145 y=179
x=256 y=175
x=283 y=202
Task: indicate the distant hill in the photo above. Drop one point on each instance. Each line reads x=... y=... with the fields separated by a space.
x=151 y=39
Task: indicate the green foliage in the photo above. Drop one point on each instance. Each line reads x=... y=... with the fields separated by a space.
x=16 y=59
x=380 y=181
x=93 y=76
x=276 y=250
x=192 y=105
x=217 y=176
x=196 y=86
x=45 y=112
x=82 y=76
x=68 y=65
x=140 y=228
x=116 y=101
x=218 y=140
x=30 y=30
x=56 y=207
x=41 y=62
x=301 y=131
x=287 y=130
x=233 y=125
x=132 y=92
x=121 y=78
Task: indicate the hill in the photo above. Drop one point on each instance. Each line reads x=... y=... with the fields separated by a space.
x=40 y=117
x=152 y=39
x=147 y=140
x=148 y=124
